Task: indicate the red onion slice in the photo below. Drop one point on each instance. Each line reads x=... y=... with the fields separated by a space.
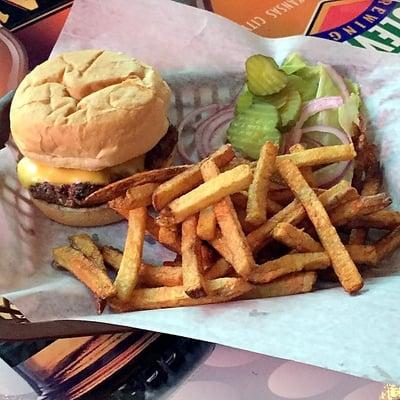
x=338 y=81
x=341 y=135
x=332 y=174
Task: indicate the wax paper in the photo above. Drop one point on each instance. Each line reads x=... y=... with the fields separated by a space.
x=202 y=55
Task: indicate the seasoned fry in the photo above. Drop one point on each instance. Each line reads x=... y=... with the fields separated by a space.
x=298 y=282
x=294 y=213
x=384 y=219
x=193 y=281
x=206 y=194
x=242 y=258
x=320 y=155
x=189 y=179
x=138 y=196
x=85 y=270
x=128 y=273
x=207 y=224
x=84 y=243
x=219 y=269
x=287 y=264
x=258 y=190
x=343 y=265
x=306 y=171
x=364 y=205
x=118 y=188
x=165 y=297
x=388 y=244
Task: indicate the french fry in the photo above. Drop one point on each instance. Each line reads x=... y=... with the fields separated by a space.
x=188 y=179
x=257 y=198
x=84 y=270
x=118 y=188
x=84 y=243
x=287 y=264
x=154 y=230
x=207 y=224
x=283 y=196
x=320 y=155
x=364 y=205
x=294 y=213
x=363 y=254
x=384 y=219
x=306 y=171
x=193 y=281
x=138 y=196
x=128 y=273
x=343 y=265
x=206 y=194
x=169 y=236
x=111 y=256
x=220 y=244
x=388 y=244
x=165 y=297
x=239 y=200
x=218 y=270
x=298 y=282
x=242 y=258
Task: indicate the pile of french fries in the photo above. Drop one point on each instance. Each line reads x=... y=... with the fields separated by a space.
x=236 y=231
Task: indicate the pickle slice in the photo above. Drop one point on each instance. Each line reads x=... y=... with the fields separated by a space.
x=278 y=100
x=264 y=76
x=290 y=111
x=250 y=129
x=293 y=63
x=307 y=89
x=244 y=100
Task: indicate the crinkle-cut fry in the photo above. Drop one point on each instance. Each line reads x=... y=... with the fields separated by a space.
x=84 y=243
x=388 y=244
x=320 y=155
x=207 y=225
x=256 y=212
x=166 y=297
x=295 y=283
x=150 y=275
x=235 y=239
x=189 y=179
x=84 y=270
x=218 y=270
x=384 y=219
x=294 y=213
x=128 y=274
x=306 y=171
x=283 y=196
x=295 y=238
x=364 y=205
x=206 y=194
x=118 y=188
x=287 y=264
x=193 y=281
x=139 y=196
x=343 y=265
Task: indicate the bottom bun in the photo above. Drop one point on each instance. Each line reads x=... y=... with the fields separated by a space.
x=85 y=217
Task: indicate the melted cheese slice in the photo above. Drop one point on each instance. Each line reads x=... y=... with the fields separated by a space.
x=31 y=172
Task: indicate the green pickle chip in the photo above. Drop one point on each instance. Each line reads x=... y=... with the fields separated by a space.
x=291 y=110
x=264 y=76
x=244 y=100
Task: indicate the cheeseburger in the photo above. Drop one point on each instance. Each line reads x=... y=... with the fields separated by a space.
x=82 y=120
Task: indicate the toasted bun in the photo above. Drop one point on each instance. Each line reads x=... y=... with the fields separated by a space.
x=94 y=216
x=89 y=109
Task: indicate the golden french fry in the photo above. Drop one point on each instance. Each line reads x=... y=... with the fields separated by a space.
x=295 y=213
x=363 y=254
x=384 y=219
x=298 y=282
x=222 y=247
x=218 y=270
x=258 y=189
x=118 y=188
x=320 y=155
x=85 y=270
x=364 y=205
x=193 y=281
x=306 y=171
x=138 y=196
x=242 y=258
x=388 y=244
x=165 y=297
x=128 y=273
x=206 y=194
x=111 y=256
x=189 y=179
x=84 y=243
x=343 y=265
x=169 y=236
x=207 y=224
x=239 y=200
x=287 y=264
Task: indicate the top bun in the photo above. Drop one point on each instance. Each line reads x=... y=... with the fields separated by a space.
x=89 y=109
